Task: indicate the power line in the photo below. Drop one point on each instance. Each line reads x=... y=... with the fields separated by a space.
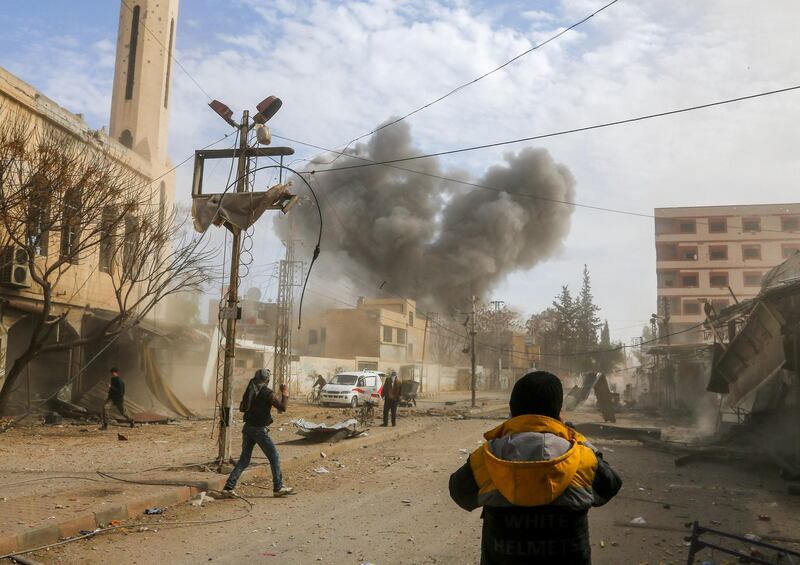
x=169 y=53
x=481 y=77
x=567 y=131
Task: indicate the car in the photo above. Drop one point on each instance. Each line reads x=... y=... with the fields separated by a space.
x=353 y=388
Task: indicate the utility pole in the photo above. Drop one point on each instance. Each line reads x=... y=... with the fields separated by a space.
x=231 y=314
x=474 y=380
x=424 y=339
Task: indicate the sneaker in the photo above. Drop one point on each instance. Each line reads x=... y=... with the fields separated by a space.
x=283 y=491
x=228 y=493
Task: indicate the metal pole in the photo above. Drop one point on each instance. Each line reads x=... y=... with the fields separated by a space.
x=474 y=380
x=233 y=300
x=424 y=339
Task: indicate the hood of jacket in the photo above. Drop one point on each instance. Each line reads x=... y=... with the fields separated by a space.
x=526 y=482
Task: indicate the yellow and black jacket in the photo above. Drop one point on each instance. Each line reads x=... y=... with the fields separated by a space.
x=536 y=479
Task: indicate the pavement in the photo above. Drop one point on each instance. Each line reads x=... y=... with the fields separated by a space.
x=51 y=489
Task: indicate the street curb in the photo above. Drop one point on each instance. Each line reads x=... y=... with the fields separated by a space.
x=100 y=516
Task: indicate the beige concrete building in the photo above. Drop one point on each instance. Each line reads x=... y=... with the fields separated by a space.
x=137 y=139
x=717 y=254
x=377 y=330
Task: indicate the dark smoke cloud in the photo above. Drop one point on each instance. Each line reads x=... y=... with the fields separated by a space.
x=431 y=240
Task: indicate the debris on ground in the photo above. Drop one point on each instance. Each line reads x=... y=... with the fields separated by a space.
x=594 y=429
x=201 y=499
x=154 y=510
x=321 y=471
x=121 y=437
x=325 y=432
x=638 y=520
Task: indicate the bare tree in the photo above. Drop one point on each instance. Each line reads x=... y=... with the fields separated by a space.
x=70 y=209
x=446 y=342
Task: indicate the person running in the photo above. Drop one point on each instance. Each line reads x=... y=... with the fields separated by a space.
x=536 y=479
x=391 y=398
x=116 y=398
x=257 y=403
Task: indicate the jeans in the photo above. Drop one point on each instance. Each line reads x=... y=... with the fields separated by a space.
x=252 y=435
x=387 y=406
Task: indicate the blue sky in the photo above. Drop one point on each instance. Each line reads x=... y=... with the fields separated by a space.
x=343 y=67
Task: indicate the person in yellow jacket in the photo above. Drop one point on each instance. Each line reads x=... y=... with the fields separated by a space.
x=536 y=479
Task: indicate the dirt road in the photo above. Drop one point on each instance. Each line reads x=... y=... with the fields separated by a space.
x=388 y=504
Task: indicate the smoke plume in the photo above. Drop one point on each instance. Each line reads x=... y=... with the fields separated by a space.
x=431 y=240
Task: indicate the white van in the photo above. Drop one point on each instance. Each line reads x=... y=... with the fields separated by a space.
x=353 y=388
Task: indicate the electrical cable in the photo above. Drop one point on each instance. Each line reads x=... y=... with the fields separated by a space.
x=477 y=79
x=567 y=131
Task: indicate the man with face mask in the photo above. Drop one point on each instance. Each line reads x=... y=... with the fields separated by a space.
x=257 y=403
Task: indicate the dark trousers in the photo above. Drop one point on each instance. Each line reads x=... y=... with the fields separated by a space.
x=387 y=406
x=119 y=403
x=252 y=436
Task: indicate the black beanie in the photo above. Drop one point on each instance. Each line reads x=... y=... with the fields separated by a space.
x=537 y=393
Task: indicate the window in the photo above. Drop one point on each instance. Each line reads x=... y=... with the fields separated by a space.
x=401 y=336
x=718 y=279
x=687 y=226
x=664 y=226
x=312 y=337
x=790 y=223
x=169 y=61
x=690 y=280
x=666 y=252
x=751 y=224
x=691 y=308
x=789 y=249
x=411 y=350
x=107 y=239
x=132 y=43
x=720 y=303
x=751 y=251
x=669 y=305
x=717 y=225
x=129 y=250
x=410 y=317
x=666 y=279
x=718 y=252
x=371 y=381
x=126 y=138
x=323 y=335
x=70 y=230
x=37 y=215
x=387 y=334
x=752 y=278
x=688 y=253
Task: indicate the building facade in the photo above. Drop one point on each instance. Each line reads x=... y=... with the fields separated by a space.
x=137 y=141
x=716 y=255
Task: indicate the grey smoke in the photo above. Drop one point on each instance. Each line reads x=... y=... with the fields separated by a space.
x=431 y=240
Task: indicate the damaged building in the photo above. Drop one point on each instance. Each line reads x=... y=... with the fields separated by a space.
x=136 y=143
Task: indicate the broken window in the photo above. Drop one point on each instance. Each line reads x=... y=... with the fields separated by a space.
x=718 y=279
x=789 y=249
x=790 y=223
x=752 y=251
x=718 y=252
x=691 y=308
x=690 y=280
x=717 y=225
x=387 y=334
x=666 y=279
x=752 y=278
x=751 y=224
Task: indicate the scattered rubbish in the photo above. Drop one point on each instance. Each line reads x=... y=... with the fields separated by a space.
x=764 y=517
x=752 y=537
x=617 y=432
x=114 y=523
x=269 y=554
x=406 y=501
x=322 y=454
x=450 y=403
x=716 y=522
x=327 y=433
x=462 y=450
x=321 y=470
x=53 y=419
x=666 y=506
x=121 y=437
x=60 y=506
x=86 y=532
x=201 y=499
x=154 y=510
x=638 y=520
x=602 y=544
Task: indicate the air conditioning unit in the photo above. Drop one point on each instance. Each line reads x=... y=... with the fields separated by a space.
x=14 y=267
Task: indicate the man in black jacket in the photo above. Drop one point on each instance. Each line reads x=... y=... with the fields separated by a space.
x=257 y=403
x=116 y=397
x=536 y=514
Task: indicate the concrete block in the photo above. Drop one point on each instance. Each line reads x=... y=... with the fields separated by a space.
x=110 y=512
x=8 y=544
x=36 y=537
x=73 y=526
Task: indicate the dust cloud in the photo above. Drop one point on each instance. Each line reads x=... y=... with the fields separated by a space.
x=426 y=238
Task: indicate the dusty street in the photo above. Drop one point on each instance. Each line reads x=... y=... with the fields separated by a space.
x=388 y=503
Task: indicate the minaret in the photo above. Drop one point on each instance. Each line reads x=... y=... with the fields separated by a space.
x=142 y=77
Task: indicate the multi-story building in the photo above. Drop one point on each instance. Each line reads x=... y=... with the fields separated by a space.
x=717 y=255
